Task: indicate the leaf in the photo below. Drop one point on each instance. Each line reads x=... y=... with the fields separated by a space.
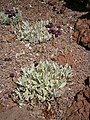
x=49 y=106
x=18 y=94
x=26 y=95
x=63 y=84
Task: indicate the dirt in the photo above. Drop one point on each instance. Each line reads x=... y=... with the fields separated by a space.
x=74 y=102
x=80 y=109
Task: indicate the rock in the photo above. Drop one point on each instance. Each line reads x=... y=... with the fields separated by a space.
x=82 y=32
x=8 y=37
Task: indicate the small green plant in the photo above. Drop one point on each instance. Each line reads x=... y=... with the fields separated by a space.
x=4 y=19
x=12 y=16
x=42 y=81
x=35 y=33
x=16 y=19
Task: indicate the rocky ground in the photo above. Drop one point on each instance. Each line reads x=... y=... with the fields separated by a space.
x=72 y=47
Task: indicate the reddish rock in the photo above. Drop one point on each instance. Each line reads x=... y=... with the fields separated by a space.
x=81 y=105
x=61 y=59
x=8 y=37
x=82 y=33
x=66 y=58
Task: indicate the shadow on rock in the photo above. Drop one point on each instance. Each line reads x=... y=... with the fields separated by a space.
x=86 y=16
x=78 y=5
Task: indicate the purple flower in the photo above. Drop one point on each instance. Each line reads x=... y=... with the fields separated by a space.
x=11 y=12
x=49 y=3
x=61 y=11
x=58 y=27
x=54 y=8
x=51 y=31
x=50 y=25
x=57 y=12
x=57 y=33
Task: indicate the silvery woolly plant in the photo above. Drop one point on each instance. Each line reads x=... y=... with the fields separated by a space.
x=10 y=16
x=35 y=33
x=4 y=19
x=42 y=81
